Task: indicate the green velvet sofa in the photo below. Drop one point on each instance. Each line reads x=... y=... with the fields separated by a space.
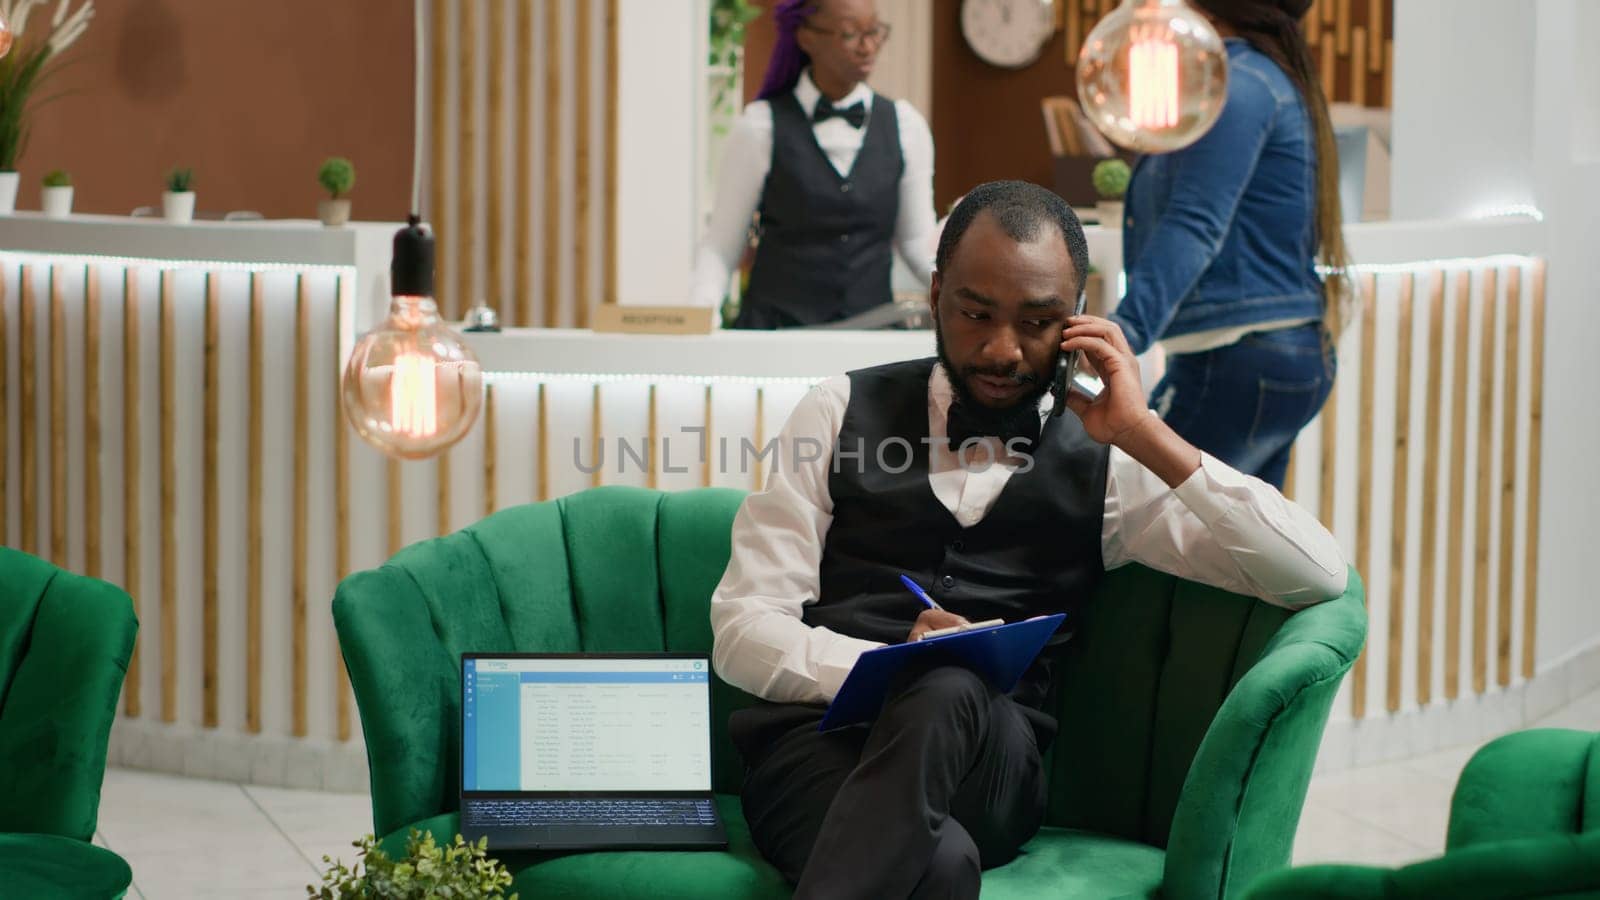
x=1190 y=717
x=1524 y=822
x=64 y=645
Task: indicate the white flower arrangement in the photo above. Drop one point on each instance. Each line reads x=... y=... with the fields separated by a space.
x=25 y=67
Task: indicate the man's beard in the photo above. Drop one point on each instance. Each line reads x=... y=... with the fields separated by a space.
x=1003 y=420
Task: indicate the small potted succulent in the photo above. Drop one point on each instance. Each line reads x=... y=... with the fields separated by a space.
x=460 y=869
x=57 y=195
x=337 y=176
x=177 y=202
x=1110 y=179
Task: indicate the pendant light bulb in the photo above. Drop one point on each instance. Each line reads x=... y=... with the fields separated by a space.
x=412 y=387
x=1153 y=75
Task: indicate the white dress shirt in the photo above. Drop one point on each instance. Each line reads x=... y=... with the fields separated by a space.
x=747 y=158
x=1220 y=527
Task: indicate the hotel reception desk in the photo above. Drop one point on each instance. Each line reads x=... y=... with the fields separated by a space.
x=170 y=422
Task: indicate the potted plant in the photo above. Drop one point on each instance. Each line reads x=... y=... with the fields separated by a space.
x=56 y=198
x=337 y=176
x=177 y=201
x=1110 y=177
x=459 y=870
x=31 y=60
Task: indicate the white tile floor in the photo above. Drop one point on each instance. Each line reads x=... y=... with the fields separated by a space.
x=191 y=838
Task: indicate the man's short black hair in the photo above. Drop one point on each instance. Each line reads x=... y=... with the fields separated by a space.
x=1020 y=208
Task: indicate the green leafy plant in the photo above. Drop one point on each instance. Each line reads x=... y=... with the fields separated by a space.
x=27 y=66
x=460 y=870
x=180 y=181
x=728 y=21
x=337 y=176
x=1110 y=177
x=58 y=178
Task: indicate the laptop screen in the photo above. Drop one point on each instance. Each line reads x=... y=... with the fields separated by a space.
x=586 y=724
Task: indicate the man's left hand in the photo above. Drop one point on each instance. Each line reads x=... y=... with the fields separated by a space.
x=1120 y=408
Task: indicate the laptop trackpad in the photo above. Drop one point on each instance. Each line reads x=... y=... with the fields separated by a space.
x=581 y=835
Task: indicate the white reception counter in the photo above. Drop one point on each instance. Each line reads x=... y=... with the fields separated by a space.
x=171 y=423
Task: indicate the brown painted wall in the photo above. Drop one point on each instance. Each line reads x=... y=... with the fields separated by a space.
x=251 y=95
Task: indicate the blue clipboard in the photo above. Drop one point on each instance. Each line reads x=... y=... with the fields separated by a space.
x=1000 y=654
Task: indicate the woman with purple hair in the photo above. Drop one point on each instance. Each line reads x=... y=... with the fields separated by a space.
x=837 y=177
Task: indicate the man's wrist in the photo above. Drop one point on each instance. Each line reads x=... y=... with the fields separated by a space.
x=1154 y=445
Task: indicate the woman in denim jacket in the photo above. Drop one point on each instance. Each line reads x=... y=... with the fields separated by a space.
x=1221 y=244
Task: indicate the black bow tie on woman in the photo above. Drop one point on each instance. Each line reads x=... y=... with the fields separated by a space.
x=855 y=113
x=1019 y=424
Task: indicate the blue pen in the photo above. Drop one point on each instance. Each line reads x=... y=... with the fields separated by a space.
x=922 y=595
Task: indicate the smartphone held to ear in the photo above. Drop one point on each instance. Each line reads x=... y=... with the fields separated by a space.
x=1067 y=377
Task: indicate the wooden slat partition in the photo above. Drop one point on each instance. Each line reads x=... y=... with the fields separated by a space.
x=522 y=227
x=497 y=164
x=490 y=451
x=131 y=545
x=439 y=113
x=210 y=508
x=1508 y=365
x=542 y=476
x=554 y=140
x=1401 y=470
x=1530 y=563
x=396 y=504
x=168 y=350
x=341 y=518
x=1480 y=513
x=91 y=423
x=652 y=436
x=594 y=441
x=1456 y=516
x=301 y=506
x=464 y=172
x=442 y=484
x=609 y=271
x=1433 y=462
x=58 y=420
x=584 y=194
x=1369 y=340
x=252 y=615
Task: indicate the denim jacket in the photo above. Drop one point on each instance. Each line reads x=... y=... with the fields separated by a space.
x=1223 y=232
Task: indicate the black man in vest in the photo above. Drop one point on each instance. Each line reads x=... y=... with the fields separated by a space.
x=1002 y=511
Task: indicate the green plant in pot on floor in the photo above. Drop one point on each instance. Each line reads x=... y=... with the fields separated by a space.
x=459 y=870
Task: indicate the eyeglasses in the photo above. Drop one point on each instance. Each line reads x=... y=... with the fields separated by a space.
x=877 y=34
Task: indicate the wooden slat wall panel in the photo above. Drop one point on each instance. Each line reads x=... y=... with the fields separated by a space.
x=168 y=351
x=58 y=420
x=253 y=511
x=131 y=545
x=1369 y=348
x=1485 y=474
x=1401 y=473
x=1456 y=516
x=1433 y=463
x=211 y=512
x=1508 y=368
x=1530 y=590
x=91 y=423
x=547 y=286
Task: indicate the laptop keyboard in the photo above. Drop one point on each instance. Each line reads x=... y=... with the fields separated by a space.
x=601 y=813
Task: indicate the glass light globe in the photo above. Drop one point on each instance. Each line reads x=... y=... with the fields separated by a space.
x=1153 y=75
x=412 y=387
x=6 y=37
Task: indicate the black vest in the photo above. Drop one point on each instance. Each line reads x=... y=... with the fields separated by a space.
x=1036 y=552
x=826 y=240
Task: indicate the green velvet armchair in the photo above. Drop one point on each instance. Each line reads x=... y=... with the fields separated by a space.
x=1524 y=822
x=64 y=647
x=1190 y=717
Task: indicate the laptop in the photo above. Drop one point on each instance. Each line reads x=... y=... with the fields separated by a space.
x=587 y=751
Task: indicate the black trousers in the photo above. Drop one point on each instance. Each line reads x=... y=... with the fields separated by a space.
x=946 y=782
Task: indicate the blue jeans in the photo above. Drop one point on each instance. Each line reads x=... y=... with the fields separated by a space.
x=1245 y=403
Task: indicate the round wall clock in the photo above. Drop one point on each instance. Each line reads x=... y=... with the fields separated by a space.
x=1007 y=33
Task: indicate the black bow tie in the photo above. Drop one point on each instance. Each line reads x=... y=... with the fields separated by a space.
x=963 y=423
x=855 y=113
